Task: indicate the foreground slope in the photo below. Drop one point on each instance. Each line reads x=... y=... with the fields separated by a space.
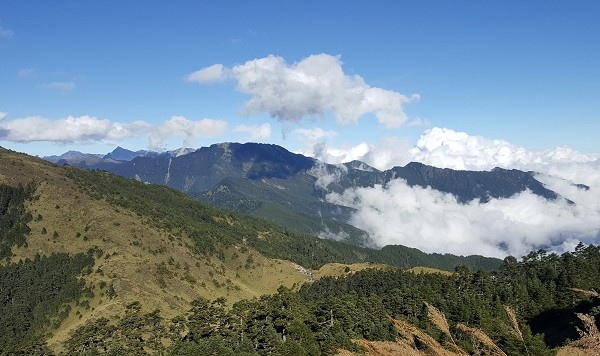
x=133 y=259
x=381 y=312
x=102 y=264
x=129 y=242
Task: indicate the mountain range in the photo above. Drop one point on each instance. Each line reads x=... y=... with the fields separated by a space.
x=94 y=263
x=290 y=189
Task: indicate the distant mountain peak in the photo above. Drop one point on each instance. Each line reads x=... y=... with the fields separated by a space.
x=181 y=151
x=72 y=156
x=361 y=166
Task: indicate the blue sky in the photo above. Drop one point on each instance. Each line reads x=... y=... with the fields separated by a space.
x=91 y=75
x=457 y=84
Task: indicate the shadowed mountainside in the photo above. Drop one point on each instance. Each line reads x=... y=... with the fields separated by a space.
x=290 y=189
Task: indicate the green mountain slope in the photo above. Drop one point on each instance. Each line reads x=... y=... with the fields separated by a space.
x=128 y=241
x=289 y=189
x=212 y=228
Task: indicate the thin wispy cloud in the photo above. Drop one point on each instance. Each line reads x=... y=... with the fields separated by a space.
x=255 y=132
x=6 y=33
x=212 y=74
x=190 y=130
x=26 y=73
x=315 y=134
x=58 y=86
x=311 y=87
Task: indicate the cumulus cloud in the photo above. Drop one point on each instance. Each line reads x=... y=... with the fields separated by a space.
x=311 y=87
x=330 y=235
x=447 y=148
x=92 y=129
x=60 y=86
x=189 y=129
x=68 y=130
x=435 y=222
x=341 y=155
x=212 y=74
x=256 y=132
x=382 y=154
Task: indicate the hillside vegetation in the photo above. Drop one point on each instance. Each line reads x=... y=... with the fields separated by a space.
x=95 y=263
x=384 y=310
x=290 y=189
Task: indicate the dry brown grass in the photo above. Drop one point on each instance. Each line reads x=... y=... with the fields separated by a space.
x=512 y=316
x=590 y=336
x=418 y=270
x=480 y=339
x=339 y=269
x=439 y=320
x=427 y=344
x=406 y=344
x=576 y=351
x=383 y=348
x=588 y=293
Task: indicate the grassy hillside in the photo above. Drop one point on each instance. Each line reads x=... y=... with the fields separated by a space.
x=97 y=263
x=384 y=311
x=147 y=243
x=137 y=257
x=211 y=228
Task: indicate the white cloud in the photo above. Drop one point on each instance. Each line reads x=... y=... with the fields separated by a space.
x=435 y=222
x=330 y=235
x=189 y=129
x=327 y=175
x=85 y=129
x=315 y=134
x=3 y=115
x=26 y=73
x=212 y=74
x=315 y=85
x=419 y=122
x=447 y=148
x=256 y=132
x=60 y=86
x=383 y=154
x=68 y=130
x=346 y=154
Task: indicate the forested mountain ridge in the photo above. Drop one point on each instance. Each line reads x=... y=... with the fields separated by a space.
x=527 y=308
x=128 y=242
x=102 y=264
x=290 y=189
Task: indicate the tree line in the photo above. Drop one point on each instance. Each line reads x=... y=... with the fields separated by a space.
x=327 y=315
